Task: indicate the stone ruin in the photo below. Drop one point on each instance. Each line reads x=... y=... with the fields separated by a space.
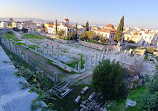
x=126 y=59
x=60 y=89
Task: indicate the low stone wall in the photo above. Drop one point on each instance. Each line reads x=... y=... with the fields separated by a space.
x=63 y=41
x=130 y=44
x=95 y=46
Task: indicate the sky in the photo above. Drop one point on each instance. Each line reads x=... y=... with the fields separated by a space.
x=139 y=13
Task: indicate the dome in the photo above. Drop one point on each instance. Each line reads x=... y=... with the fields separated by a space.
x=110 y=26
x=66 y=19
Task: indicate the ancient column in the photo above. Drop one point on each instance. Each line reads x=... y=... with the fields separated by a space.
x=96 y=62
x=47 y=51
x=85 y=62
x=79 y=66
x=103 y=51
x=43 y=51
x=52 y=52
x=36 y=49
x=91 y=62
x=26 y=58
x=26 y=43
x=58 y=53
x=39 y=50
x=55 y=77
x=19 y=52
x=11 y=45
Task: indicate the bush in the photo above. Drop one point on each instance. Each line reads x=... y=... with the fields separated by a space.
x=108 y=79
x=131 y=41
x=16 y=29
x=71 y=36
x=24 y=30
x=61 y=33
x=149 y=99
x=84 y=36
x=150 y=49
x=91 y=35
x=10 y=32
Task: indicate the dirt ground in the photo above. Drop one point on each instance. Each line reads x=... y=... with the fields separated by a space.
x=41 y=62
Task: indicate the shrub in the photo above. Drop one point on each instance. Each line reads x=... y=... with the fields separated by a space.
x=131 y=41
x=108 y=79
x=10 y=32
x=16 y=29
x=91 y=35
x=24 y=30
x=84 y=36
x=61 y=33
x=150 y=49
x=149 y=99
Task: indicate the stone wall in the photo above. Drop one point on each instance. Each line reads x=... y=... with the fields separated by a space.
x=95 y=46
x=63 y=41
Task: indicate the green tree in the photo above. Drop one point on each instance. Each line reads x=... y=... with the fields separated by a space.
x=91 y=35
x=84 y=36
x=43 y=28
x=150 y=49
x=56 y=27
x=61 y=33
x=118 y=34
x=108 y=79
x=87 y=26
x=71 y=36
x=149 y=99
x=76 y=31
x=10 y=22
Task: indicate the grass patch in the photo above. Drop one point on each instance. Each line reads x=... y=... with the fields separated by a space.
x=73 y=63
x=11 y=36
x=146 y=56
x=20 y=44
x=135 y=96
x=76 y=61
x=33 y=46
x=31 y=36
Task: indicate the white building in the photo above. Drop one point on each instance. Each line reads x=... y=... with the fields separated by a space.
x=30 y=25
x=1 y=24
x=13 y=24
x=19 y=25
x=4 y=24
x=108 y=31
x=68 y=28
x=80 y=29
x=147 y=38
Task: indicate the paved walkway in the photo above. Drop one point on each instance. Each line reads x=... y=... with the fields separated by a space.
x=12 y=97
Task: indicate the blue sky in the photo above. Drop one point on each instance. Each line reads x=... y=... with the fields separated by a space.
x=141 y=13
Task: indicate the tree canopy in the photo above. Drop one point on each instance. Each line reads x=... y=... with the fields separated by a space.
x=56 y=28
x=118 y=34
x=108 y=79
x=149 y=99
x=87 y=26
x=150 y=49
x=76 y=31
x=61 y=33
x=10 y=22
